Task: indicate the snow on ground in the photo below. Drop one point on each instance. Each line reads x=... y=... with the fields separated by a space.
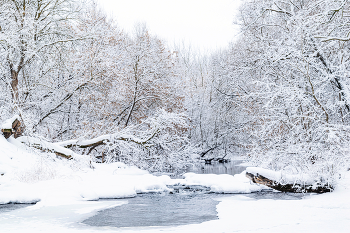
x=237 y=213
x=223 y=183
x=66 y=192
x=30 y=176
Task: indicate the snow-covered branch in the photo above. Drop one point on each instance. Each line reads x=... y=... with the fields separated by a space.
x=104 y=139
x=44 y=145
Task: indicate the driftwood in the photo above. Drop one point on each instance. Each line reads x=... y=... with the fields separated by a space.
x=104 y=139
x=294 y=188
x=223 y=160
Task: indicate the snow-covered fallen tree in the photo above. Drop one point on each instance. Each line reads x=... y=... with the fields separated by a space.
x=280 y=181
x=155 y=144
x=44 y=145
x=106 y=138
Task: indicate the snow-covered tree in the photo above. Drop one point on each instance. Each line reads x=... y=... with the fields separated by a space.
x=297 y=58
x=32 y=33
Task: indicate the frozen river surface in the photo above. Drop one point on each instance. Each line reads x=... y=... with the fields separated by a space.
x=185 y=205
x=158 y=210
x=170 y=209
x=188 y=205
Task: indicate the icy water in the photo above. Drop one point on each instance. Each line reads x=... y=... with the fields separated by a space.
x=158 y=210
x=230 y=168
x=170 y=209
x=184 y=206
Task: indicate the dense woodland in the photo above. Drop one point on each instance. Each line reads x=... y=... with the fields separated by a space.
x=278 y=95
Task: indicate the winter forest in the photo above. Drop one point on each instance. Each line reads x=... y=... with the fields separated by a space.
x=278 y=95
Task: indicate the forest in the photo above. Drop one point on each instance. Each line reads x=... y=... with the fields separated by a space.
x=278 y=95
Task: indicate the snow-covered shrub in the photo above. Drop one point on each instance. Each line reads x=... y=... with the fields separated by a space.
x=37 y=173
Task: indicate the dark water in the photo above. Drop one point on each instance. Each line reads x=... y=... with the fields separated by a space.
x=233 y=167
x=10 y=207
x=230 y=168
x=158 y=210
x=184 y=205
x=171 y=209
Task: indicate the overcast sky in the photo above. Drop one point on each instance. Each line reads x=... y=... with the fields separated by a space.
x=206 y=24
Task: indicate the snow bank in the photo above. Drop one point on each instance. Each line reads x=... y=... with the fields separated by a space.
x=281 y=176
x=103 y=182
x=236 y=213
x=31 y=176
x=314 y=213
x=238 y=183
x=13 y=158
x=27 y=176
x=272 y=175
x=65 y=193
x=8 y=123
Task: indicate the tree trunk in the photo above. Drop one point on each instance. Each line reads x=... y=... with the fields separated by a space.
x=293 y=188
x=14 y=84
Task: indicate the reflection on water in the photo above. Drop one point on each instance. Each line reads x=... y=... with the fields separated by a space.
x=230 y=168
x=158 y=210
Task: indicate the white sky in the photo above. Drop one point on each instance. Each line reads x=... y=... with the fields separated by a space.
x=205 y=24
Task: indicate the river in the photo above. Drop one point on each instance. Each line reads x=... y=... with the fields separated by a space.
x=185 y=206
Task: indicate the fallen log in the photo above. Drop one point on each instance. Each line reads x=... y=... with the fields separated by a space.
x=293 y=188
x=62 y=148
x=104 y=139
x=48 y=147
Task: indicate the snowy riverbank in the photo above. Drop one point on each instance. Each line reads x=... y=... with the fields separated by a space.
x=237 y=213
x=66 y=192
x=30 y=177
